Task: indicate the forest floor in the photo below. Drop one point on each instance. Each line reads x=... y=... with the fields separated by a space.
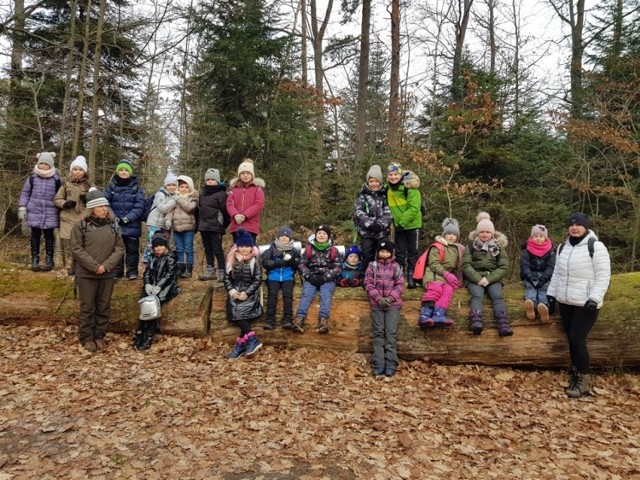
x=182 y=410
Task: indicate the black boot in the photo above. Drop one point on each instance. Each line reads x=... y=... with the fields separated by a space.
x=35 y=254
x=181 y=267
x=48 y=247
x=188 y=270
x=147 y=341
x=410 y=282
x=139 y=337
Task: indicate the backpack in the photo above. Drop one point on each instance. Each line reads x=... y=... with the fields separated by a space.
x=590 y=244
x=423 y=205
x=148 y=206
x=421 y=264
x=333 y=252
x=149 y=307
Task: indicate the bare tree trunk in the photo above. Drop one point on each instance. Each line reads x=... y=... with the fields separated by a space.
x=95 y=107
x=462 y=22
x=363 y=78
x=303 y=34
x=394 y=90
x=82 y=74
x=516 y=60
x=69 y=71
x=491 y=28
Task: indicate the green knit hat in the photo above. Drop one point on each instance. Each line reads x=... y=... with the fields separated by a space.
x=126 y=164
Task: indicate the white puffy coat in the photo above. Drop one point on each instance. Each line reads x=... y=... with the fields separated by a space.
x=577 y=277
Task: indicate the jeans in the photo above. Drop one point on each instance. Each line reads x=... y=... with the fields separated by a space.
x=537 y=295
x=309 y=292
x=577 y=323
x=272 y=300
x=385 y=338
x=494 y=290
x=184 y=246
x=407 y=249
x=212 y=243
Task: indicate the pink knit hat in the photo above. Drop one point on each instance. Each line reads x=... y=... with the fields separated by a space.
x=484 y=223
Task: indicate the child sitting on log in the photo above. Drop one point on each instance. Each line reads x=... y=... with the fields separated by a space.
x=537 y=261
x=352 y=272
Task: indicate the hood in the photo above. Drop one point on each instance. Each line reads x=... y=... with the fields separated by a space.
x=258 y=182
x=501 y=238
x=410 y=179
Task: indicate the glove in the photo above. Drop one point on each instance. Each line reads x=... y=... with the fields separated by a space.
x=83 y=198
x=542 y=281
x=124 y=220
x=316 y=279
x=355 y=282
x=69 y=204
x=483 y=282
x=384 y=302
x=286 y=257
x=155 y=289
x=534 y=282
x=591 y=305
x=451 y=279
x=148 y=288
x=22 y=213
x=167 y=224
x=375 y=228
x=344 y=282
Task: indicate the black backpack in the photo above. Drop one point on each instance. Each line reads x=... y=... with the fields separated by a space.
x=148 y=206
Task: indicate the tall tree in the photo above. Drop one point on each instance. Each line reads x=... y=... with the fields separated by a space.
x=363 y=75
x=394 y=91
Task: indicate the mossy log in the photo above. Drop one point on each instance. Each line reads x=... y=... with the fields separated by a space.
x=47 y=299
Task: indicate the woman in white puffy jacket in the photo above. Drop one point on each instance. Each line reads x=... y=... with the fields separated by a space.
x=579 y=282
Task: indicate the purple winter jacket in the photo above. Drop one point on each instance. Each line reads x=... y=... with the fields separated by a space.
x=384 y=278
x=39 y=201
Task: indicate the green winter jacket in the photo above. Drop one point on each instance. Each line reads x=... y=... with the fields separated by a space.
x=477 y=264
x=451 y=263
x=405 y=209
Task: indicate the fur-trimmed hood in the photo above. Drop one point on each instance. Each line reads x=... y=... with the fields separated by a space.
x=257 y=181
x=501 y=238
x=410 y=179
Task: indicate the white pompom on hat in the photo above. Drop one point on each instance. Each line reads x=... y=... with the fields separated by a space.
x=95 y=198
x=484 y=223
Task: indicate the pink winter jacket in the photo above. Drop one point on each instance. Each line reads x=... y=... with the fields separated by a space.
x=248 y=201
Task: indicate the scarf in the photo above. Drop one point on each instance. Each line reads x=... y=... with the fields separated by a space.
x=235 y=256
x=284 y=247
x=121 y=181
x=44 y=173
x=321 y=246
x=490 y=246
x=573 y=241
x=539 y=250
x=211 y=189
x=100 y=222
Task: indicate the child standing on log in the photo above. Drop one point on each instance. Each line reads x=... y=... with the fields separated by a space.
x=443 y=274
x=182 y=222
x=245 y=201
x=384 y=284
x=97 y=248
x=319 y=267
x=161 y=280
x=537 y=261
x=485 y=263
x=242 y=280
x=164 y=201
x=213 y=220
x=281 y=261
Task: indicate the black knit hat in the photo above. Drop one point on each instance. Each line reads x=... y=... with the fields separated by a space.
x=159 y=241
x=579 y=218
x=324 y=228
x=388 y=246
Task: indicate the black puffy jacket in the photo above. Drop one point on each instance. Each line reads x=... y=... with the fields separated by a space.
x=162 y=272
x=245 y=277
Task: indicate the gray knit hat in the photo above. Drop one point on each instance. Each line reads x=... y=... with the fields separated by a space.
x=46 y=157
x=212 y=173
x=450 y=225
x=375 y=172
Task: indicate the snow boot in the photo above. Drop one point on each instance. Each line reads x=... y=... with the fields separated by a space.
x=48 y=259
x=475 y=322
x=440 y=317
x=35 y=254
x=221 y=275
x=150 y=332
x=579 y=387
x=252 y=345
x=502 y=322
x=425 y=321
x=187 y=271
x=528 y=309
x=241 y=345
x=181 y=267
x=573 y=371
x=543 y=310
x=323 y=326
x=209 y=274
x=410 y=282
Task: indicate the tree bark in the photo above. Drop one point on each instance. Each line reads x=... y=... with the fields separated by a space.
x=394 y=86
x=82 y=75
x=461 y=24
x=95 y=107
x=66 y=107
x=363 y=78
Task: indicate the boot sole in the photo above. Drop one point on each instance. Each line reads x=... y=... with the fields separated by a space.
x=528 y=310
x=258 y=347
x=543 y=310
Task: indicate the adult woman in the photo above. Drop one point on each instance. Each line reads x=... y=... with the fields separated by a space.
x=579 y=282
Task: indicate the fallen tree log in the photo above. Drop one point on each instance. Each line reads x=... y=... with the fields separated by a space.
x=47 y=299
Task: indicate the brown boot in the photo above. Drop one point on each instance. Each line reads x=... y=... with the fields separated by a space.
x=579 y=387
x=90 y=346
x=323 y=326
x=298 y=325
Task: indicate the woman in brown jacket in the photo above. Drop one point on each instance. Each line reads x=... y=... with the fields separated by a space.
x=97 y=248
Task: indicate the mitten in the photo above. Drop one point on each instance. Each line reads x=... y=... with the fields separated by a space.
x=591 y=305
x=534 y=282
x=384 y=302
x=125 y=220
x=83 y=198
x=316 y=280
x=22 y=213
x=344 y=282
x=155 y=289
x=375 y=228
x=355 y=282
x=148 y=288
x=69 y=204
x=167 y=224
x=451 y=279
x=286 y=257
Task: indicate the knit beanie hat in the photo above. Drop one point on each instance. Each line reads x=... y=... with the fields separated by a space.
x=158 y=241
x=186 y=179
x=579 y=218
x=541 y=229
x=170 y=179
x=375 y=172
x=246 y=166
x=353 y=249
x=95 y=198
x=387 y=245
x=47 y=157
x=284 y=230
x=394 y=167
x=212 y=173
x=244 y=239
x=324 y=228
x=484 y=223
x=79 y=162
x=126 y=164
x=450 y=225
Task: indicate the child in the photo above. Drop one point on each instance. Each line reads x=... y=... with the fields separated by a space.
x=97 y=248
x=163 y=202
x=38 y=208
x=245 y=201
x=405 y=203
x=319 y=267
x=213 y=220
x=384 y=283
x=352 y=272
x=126 y=198
x=372 y=215
x=71 y=199
x=243 y=276
x=160 y=279
x=485 y=263
x=281 y=261
x=182 y=222
x=443 y=275
x=536 y=267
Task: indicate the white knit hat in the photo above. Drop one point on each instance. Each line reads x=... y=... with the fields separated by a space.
x=79 y=162
x=246 y=166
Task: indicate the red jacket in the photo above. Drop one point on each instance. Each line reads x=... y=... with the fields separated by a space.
x=248 y=201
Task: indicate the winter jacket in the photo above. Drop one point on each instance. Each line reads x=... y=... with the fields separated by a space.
x=372 y=214
x=248 y=201
x=126 y=198
x=74 y=190
x=212 y=211
x=244 y=277
x=452 y=262
x=384 y=278
x=162 y=272
x=163 y=203
x=478 y=263
x=96 y=242
x=533 y=267
x=278 y=269
x=318 y=267
x=351 y=274
x=39 y=201
x=405 y=209
x=183 y=215
x=577 y=277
